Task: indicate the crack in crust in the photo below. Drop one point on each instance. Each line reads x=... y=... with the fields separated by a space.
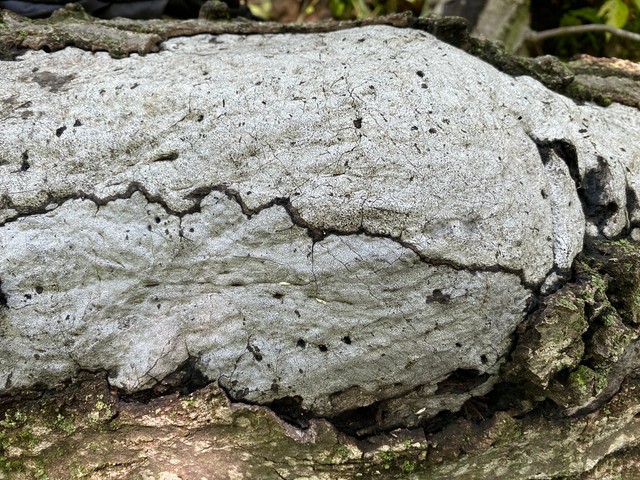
x=197 y=195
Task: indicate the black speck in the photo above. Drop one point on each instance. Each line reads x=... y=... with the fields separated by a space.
x=583 y=130
x=297 y=312
x=424 y=85
x=458 y=345
x=36 y=356
x=24 y=166
x=357 y=123
x=346 y=339
x=433 y=130
x=3 y=298
x=484 y=359
x=77 y=123
x=301 y=343
x=278 y=296
x=438 y=296
x=420 y=73
x=167 y=157
x=414 y=128
x=39 y=289
x=322 y=347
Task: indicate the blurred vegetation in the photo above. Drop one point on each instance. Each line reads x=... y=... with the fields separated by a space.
x=545 y=14
x=623 y=14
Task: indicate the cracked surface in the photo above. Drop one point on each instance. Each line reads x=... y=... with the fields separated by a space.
x=301 y=225
x=264 y=308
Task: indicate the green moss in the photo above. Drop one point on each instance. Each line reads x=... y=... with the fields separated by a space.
x=64 y=424
x=626 y=246
x=408 y=467
x=600 y=381
x=341 y=451
x=188 y=403
x=581 y=384
x=609 y=320
x=100 y=414
x=388 y=459
x=569 y=305
x=14 y=419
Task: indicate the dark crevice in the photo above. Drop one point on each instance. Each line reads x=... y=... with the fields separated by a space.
x=599 y=207
x=461 y=380
x=186 y=379
x=354 y=422
x=633 y=205
x=565 y=150
x=290 y=410
x=439 y=422
x=597 y=203
x=3 y=298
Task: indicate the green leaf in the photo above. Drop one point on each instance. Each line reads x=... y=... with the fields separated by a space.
x=580 y=16
x=637 y=4
x=615 y=13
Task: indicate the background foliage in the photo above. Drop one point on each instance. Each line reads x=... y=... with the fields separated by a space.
x=624 y=14
x=545 y=14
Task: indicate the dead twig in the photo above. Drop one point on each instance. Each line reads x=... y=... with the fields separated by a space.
x=577 y=29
